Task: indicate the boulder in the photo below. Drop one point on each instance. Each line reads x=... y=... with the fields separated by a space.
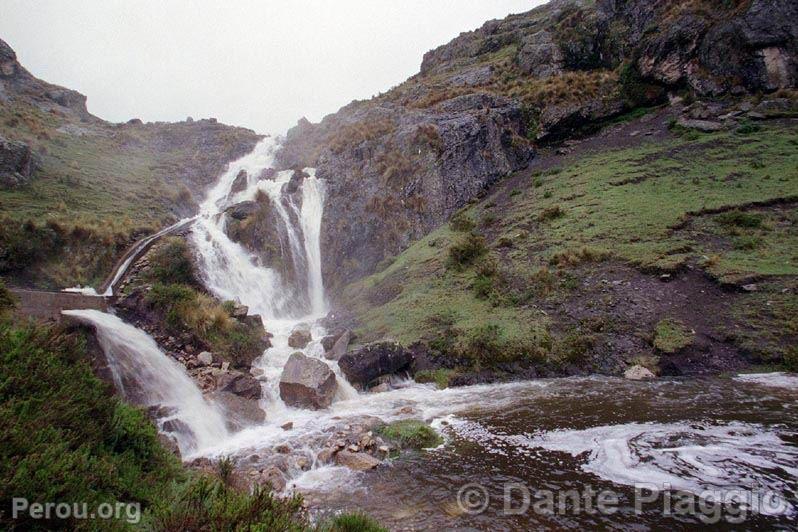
x=307 y=383
x=169 y=443
x=239 y=412
x=273 y=477
x=240 y=312
x=296 y=180
x=539 y=56
x=239 y=183
x=367 y=364
x=16 y=163
x=638 y=373
x=356 y=460
x=205 y=358
x=300 y=338
x=240 y=384
x=243 y=210
x=707 y=126
x=267 y=173
x=340 y=346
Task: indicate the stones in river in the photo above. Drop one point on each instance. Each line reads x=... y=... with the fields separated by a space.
x=300 y=338
x=340 y=346
x=638 y=373
x=358 y=461
x=367 y=364
x=307 y=383
x=205 y=358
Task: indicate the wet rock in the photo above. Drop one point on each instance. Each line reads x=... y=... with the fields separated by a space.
x=283 y=449
x=240 y=412
x=325 y=456
x=169 y=443
x=205 y=358
x=240 y=182
x=176 y=426
x=240 y=311
x=267 y=173
x=240 y=384
x=307 y=383
x=357 y=461
x=300 y=338
x=243 y=210
x=287 y=426
x=638 y=373
x=296 y=180
x=340 y=346
x=274 y=478
x=367 y=364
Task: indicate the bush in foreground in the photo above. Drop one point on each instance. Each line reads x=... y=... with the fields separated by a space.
x=411 y=434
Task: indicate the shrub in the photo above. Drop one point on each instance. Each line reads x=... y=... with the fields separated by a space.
x=574 y=347
x=172 y=263
x=740 y=219
x=461 y=222
x=791 y=358
x=64 y=437
x=206 y=503
x=746 y=243
x=575 y=257
x=465 y=252
x=354 y=522
x=411 y=434
x=7 y=299
x=747 y=127
x=483 y=286
x=671 y=336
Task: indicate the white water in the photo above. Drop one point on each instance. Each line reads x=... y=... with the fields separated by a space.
x=146 y=376
x=776 y=379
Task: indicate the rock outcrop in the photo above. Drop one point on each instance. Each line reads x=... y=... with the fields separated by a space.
x=401 y=163
x=307 y=383
x=366 y=365
x=16 y=163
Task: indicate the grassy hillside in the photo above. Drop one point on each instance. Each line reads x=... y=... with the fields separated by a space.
x=522 y=273
x=97 y=187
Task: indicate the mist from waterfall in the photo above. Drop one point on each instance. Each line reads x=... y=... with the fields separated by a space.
x=146 y=376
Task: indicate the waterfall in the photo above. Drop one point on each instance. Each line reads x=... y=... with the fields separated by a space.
x=146 y=376
x=233 y=273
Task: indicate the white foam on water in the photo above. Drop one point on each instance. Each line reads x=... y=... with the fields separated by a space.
x=694 y=457
x=776 y=379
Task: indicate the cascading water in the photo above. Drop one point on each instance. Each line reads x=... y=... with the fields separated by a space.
x=146 y=376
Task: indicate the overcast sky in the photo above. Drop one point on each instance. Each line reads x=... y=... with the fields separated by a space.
x=260 y=64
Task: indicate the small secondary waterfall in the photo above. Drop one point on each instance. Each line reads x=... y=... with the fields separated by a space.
x=146 y=376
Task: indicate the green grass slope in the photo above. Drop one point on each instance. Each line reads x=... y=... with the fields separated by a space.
x=483 y=287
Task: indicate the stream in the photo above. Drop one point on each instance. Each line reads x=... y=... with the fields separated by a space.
x=652 y=448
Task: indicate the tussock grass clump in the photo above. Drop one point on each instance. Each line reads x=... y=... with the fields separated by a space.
x=740 y=219
x=671 y=336
x=575 y=257
x=7 y=299
x=172 y=263
x=441 y=376
x=411 y=434
x=466 y=251
x=551 y=213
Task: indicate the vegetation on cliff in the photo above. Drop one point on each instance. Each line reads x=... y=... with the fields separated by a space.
x=175 y=294
x=537 y=270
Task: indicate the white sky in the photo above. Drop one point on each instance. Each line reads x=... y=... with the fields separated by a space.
x=260 y=64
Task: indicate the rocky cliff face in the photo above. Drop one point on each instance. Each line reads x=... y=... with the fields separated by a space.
x=400 y=164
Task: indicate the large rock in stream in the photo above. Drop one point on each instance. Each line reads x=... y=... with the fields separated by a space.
x=367 y=364
x=307 y=383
